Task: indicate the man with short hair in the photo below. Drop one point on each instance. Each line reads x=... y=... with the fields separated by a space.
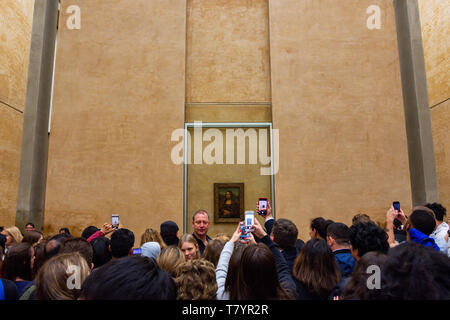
x=420 y=224
x=81 y=246
x=339 y=242
x=122 y=242
x=365 y=237
x=284 y=234
x=30 y=227
x=200 y=224
x=54 y=244
x=441 y=227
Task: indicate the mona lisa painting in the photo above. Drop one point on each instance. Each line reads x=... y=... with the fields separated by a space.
x=228 y=202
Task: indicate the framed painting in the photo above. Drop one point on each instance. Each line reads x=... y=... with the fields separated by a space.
x=228 y=202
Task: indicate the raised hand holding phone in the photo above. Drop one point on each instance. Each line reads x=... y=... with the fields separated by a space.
x=268 y=209
x=258 y=230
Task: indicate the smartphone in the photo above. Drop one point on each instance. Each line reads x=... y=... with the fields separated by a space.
x=244 y=237
x=249 y=220
x=137 y=251
x=115 y=221
x=262 y=204
x=396 y=205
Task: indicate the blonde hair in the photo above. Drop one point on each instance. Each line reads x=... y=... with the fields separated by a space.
x=170 y=258
x=187 y=237
x=53 y=277
x=151 y=235
x=15 y=234
x=196 y=280
x=222 y=236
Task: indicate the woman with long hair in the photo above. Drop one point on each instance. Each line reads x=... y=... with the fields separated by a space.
x=151 y=235
x=315 y=271
x=170 y=258
x=189 y=246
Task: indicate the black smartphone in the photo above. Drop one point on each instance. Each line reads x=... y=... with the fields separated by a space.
x=262 y=204
x=396 y=205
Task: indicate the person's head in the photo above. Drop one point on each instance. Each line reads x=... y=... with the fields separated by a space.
x=81 y=246
x=189 y=246
x=151 y=249
x=200 y=223
x=39 y=256
x=32 y=237
x=415 y=272
x=365 y=237
x=284 y=233
x=315 y=267
x=101 y=251
x=222 y=236
x=89 y=231
x=228 y=195
x=439 y=211
x=64 y=230
x=196 y=280
x=53 y=277
x=53 y=245
x=129 y=278
x=168 y=231
x=151 y=235
x=361 y=217
x=422 y=219
x=338 y=235
x=30 y=226
x=13 y=236
x=170 y=258
x=318 y=228
x=18 y=262
x=257 y=277
x=357 y=288
x=122 y=242
x=213 y=250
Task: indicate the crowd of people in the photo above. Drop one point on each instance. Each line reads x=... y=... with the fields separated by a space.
x=408 y=258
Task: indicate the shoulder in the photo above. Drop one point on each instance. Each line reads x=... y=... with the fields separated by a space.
x=10 y=290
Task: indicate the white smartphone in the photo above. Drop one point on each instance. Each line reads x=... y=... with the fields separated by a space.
x=115 y=221
x=249 y=220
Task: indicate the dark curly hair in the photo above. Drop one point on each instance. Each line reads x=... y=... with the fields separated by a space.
x=368 y=237
x=439 y=211
x=415 y=272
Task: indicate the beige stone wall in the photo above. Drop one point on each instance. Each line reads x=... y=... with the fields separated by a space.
x=227 y=51
x=15 y=34
x=118 y=95
x=337 y=103
x=434 y=16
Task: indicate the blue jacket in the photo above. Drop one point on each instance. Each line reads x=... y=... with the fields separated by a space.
x=421 y=238
x=345 y=261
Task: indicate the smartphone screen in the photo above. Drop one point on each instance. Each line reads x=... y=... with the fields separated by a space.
x=137 y=251
x=115 y=220
x=396 y=205
x=249 y=219
x=262 y=204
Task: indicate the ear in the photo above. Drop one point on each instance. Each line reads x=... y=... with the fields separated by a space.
x=92 y=266
x=271 y=236
x=330 y=241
